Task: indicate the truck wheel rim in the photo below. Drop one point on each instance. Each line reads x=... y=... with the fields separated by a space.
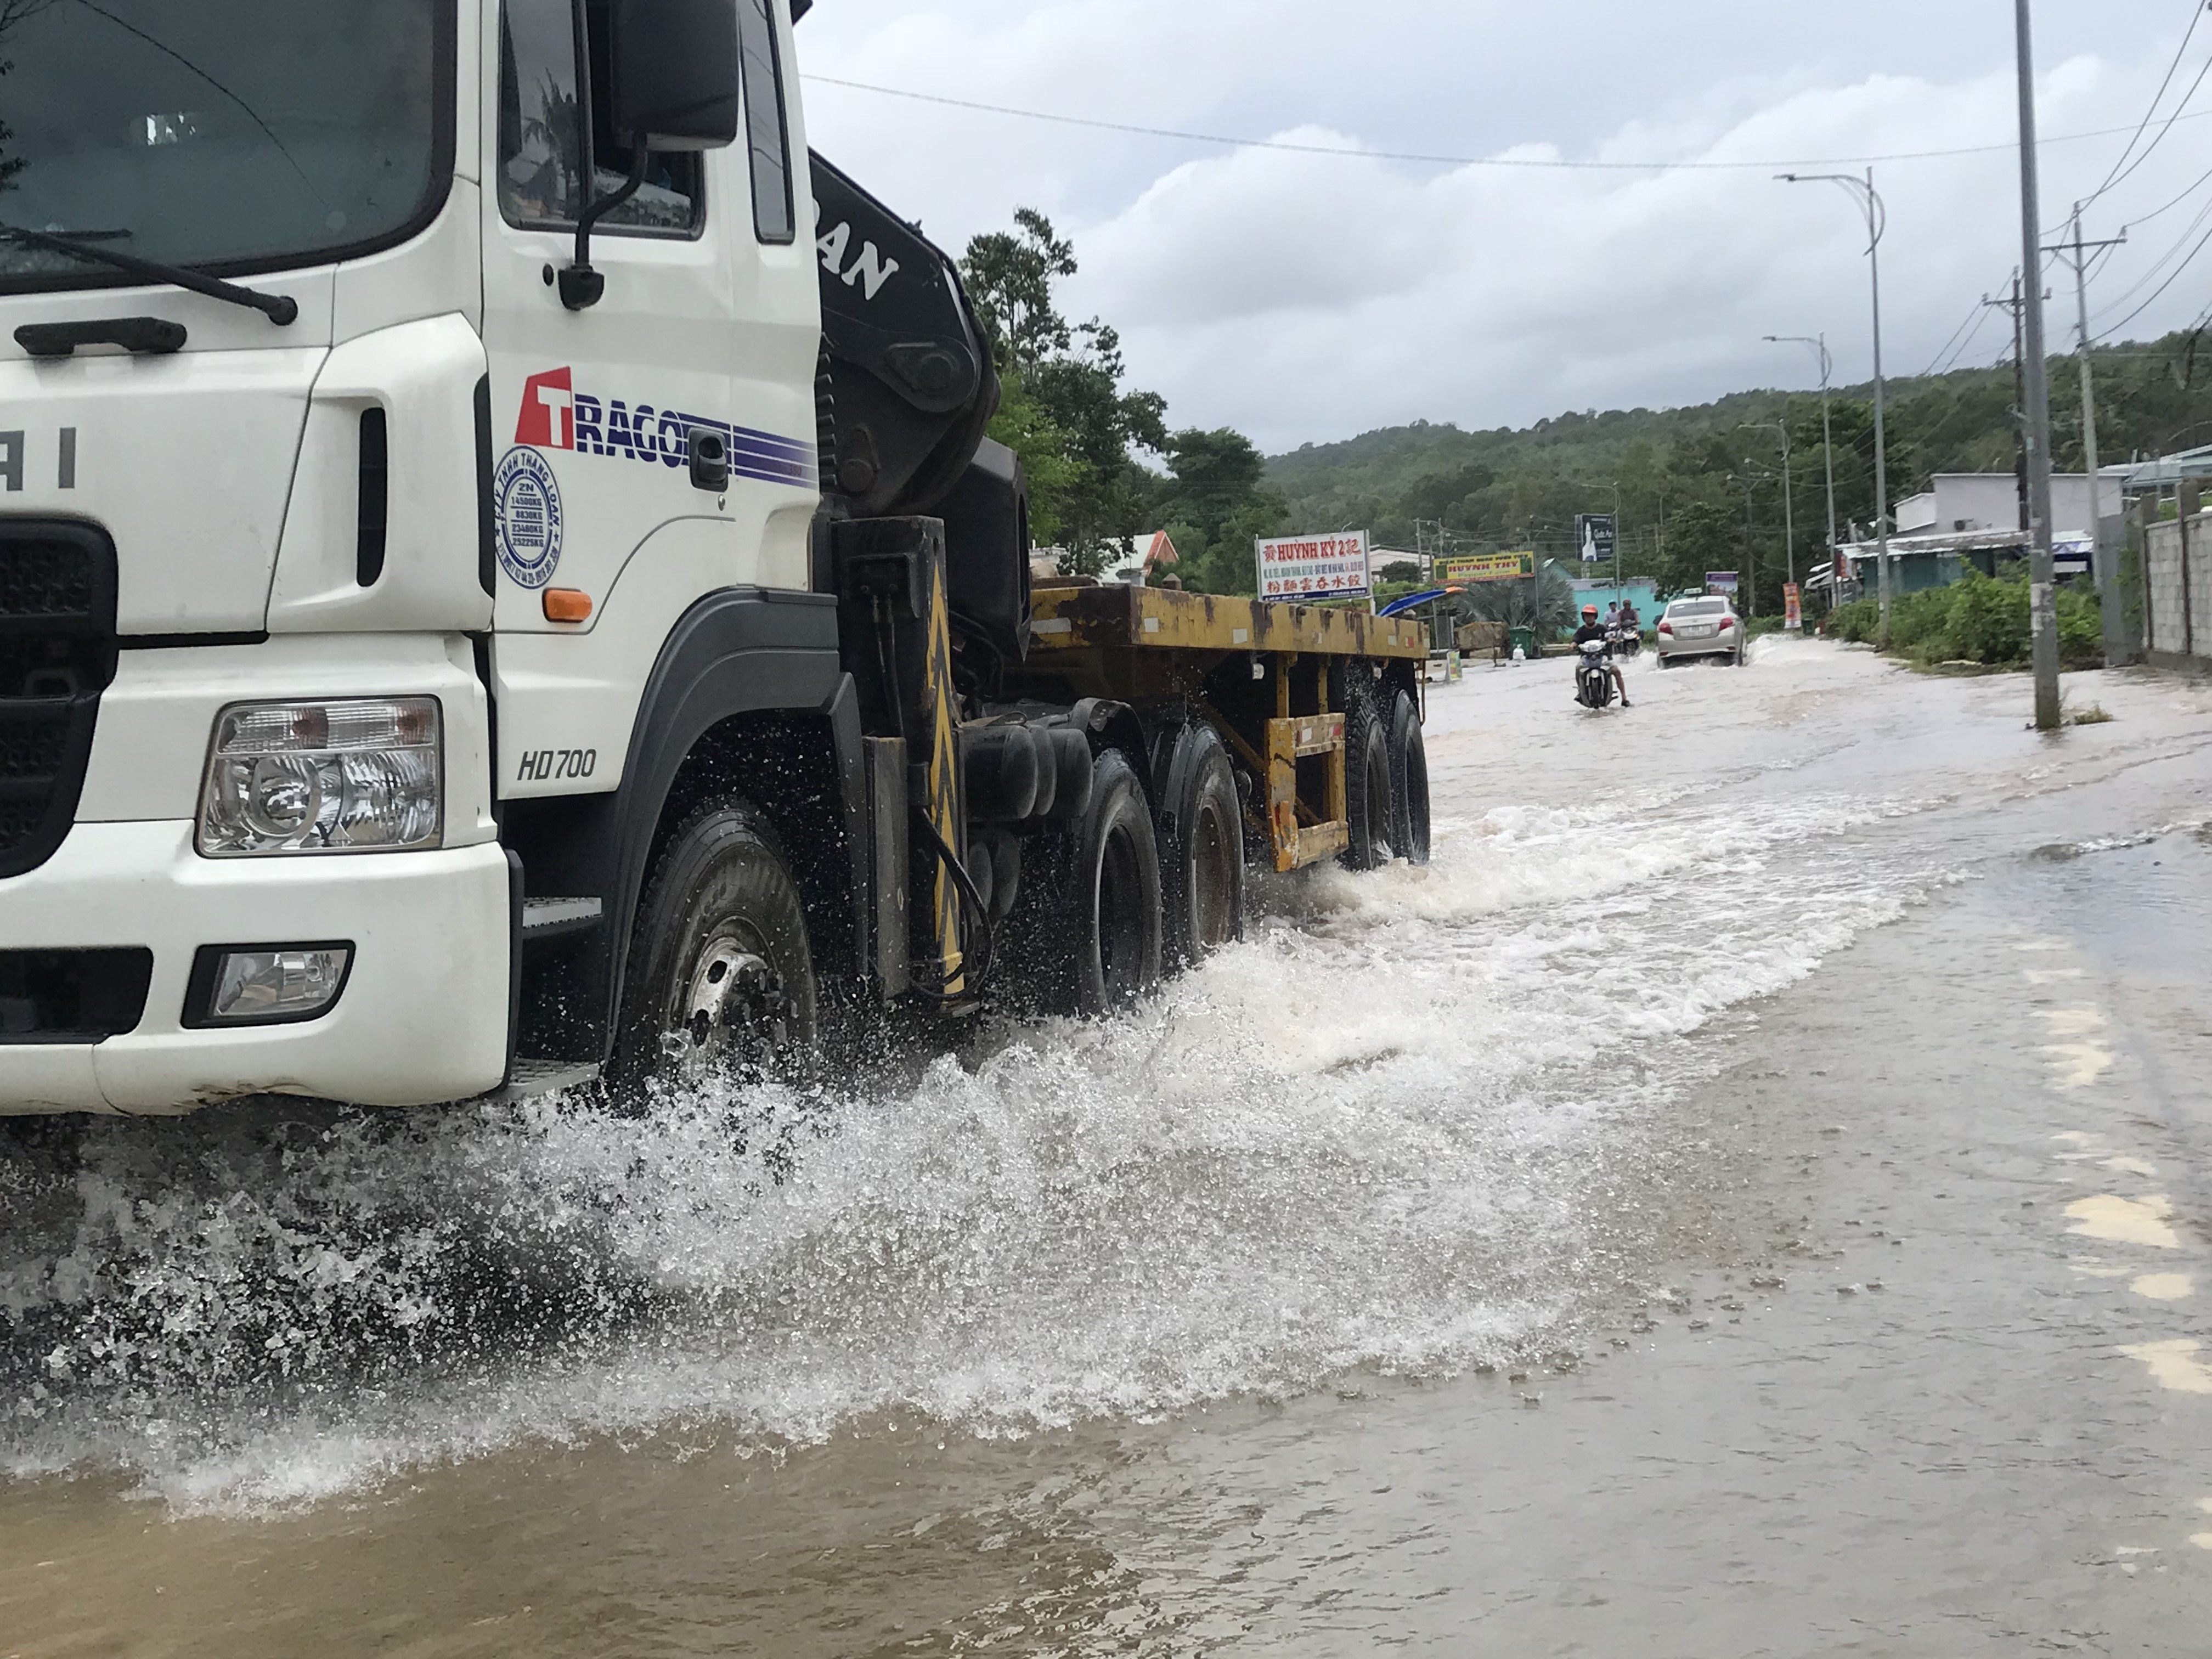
x=731 y=1007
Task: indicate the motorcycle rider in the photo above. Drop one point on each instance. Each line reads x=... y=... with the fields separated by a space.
x=1592 y=629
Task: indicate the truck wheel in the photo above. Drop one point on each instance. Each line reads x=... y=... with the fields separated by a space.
x=1409 y=782
x=1367 y=770
x=1201 y=849
x=1088 y=936
x=721 y=979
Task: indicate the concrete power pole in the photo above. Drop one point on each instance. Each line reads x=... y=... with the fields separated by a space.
x=1819 y=343
x=1869 y=200
x=2042 y=605
x=2012 y=306
x=2104 y=558
x=1789 y=516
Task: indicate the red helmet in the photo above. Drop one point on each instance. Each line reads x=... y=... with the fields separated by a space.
x=1589 y=610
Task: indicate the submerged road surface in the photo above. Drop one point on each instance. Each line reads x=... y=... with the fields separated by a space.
x=1750 y=1195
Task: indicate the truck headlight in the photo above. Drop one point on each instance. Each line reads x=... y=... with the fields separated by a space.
x=361 y=775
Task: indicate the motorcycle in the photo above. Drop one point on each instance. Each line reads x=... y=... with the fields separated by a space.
x=1593 y=686
x=1626 y=641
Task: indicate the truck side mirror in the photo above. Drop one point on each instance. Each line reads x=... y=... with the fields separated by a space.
x=673 y=77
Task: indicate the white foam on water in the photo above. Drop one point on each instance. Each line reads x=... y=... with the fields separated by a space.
x=1378 y=1133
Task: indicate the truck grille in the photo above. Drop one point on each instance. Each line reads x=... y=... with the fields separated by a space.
x=57 y=655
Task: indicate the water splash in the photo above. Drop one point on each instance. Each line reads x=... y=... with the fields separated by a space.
x=1389 y=1129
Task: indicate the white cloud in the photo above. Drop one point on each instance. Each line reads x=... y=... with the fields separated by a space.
x=1305 y=297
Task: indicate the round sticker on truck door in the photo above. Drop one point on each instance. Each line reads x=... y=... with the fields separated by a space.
x=527 y=504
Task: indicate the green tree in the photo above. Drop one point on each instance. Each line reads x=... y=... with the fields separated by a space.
x=1214 y=493
x=1047 y=464
x=1062 y=408
x=1702 y=535
x=1213 y=476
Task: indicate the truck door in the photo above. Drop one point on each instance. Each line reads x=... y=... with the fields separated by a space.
x=592 y=408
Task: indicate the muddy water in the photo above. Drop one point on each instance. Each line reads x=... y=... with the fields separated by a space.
x=1214 y=1324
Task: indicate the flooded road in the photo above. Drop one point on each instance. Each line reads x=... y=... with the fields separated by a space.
x=1751 y=1194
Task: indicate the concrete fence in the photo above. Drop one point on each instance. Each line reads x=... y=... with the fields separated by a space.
x=2177 y=590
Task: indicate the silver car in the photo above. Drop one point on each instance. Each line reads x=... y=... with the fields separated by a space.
x=1706 y=627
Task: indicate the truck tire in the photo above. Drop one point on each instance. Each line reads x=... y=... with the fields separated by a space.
x=720 y=980
x=1086 y=939
x=1409 y=782
x=1367 y=769
x=1201 y=846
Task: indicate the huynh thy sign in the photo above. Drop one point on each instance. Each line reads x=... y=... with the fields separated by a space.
x=1487 y=567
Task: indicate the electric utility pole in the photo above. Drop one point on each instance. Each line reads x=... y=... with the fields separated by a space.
x=1615 y=487
x=2019 y=396
x=1788 y=519
x=2042 y=603
x=1819 y=343
x=2102 y=557
x=1862 y=191
x=1750 y=582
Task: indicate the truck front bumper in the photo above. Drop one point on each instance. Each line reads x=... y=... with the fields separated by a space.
x=424 y=1016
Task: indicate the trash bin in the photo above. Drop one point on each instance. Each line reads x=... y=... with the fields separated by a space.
x=1522 y=638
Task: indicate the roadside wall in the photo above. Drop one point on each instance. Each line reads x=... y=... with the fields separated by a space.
x=2177 y=598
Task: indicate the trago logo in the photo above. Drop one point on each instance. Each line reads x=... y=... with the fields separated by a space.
x=554 y=415
x=548 y=420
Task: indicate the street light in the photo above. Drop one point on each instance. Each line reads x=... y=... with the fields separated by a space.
x=1819 y=343
x=1862 y=192
x=1789 y=522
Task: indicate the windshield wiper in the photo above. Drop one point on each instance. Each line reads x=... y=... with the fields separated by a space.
x=279 y=308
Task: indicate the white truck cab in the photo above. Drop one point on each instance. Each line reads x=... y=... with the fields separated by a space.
x=339 y=519
x=503 y=582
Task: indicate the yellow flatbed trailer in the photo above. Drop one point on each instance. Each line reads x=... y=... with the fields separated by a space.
x=1275 y=680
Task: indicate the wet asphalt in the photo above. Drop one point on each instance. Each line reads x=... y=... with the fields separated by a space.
x=1901 y=1344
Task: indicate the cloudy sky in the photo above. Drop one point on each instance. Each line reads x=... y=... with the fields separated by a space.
x=1304 y=298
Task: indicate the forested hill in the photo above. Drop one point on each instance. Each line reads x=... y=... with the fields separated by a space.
x=1687 y=475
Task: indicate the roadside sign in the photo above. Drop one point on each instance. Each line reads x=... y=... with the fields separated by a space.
x=1792 y=615
x=1331 y=566
x=1721 y=581
x=1486 y=567
x=1594 y=533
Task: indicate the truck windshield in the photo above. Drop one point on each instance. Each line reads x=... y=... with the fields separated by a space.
x=237 y=134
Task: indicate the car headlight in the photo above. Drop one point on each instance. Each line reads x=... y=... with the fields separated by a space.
x=356 y=776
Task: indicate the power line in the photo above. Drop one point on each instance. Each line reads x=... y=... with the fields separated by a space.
x=2160 y=290
x=2195 y=13
x=1936 y=364
x=2158 y=264
x=2168 y=126
x=2145 y=218
x=1535 y=163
